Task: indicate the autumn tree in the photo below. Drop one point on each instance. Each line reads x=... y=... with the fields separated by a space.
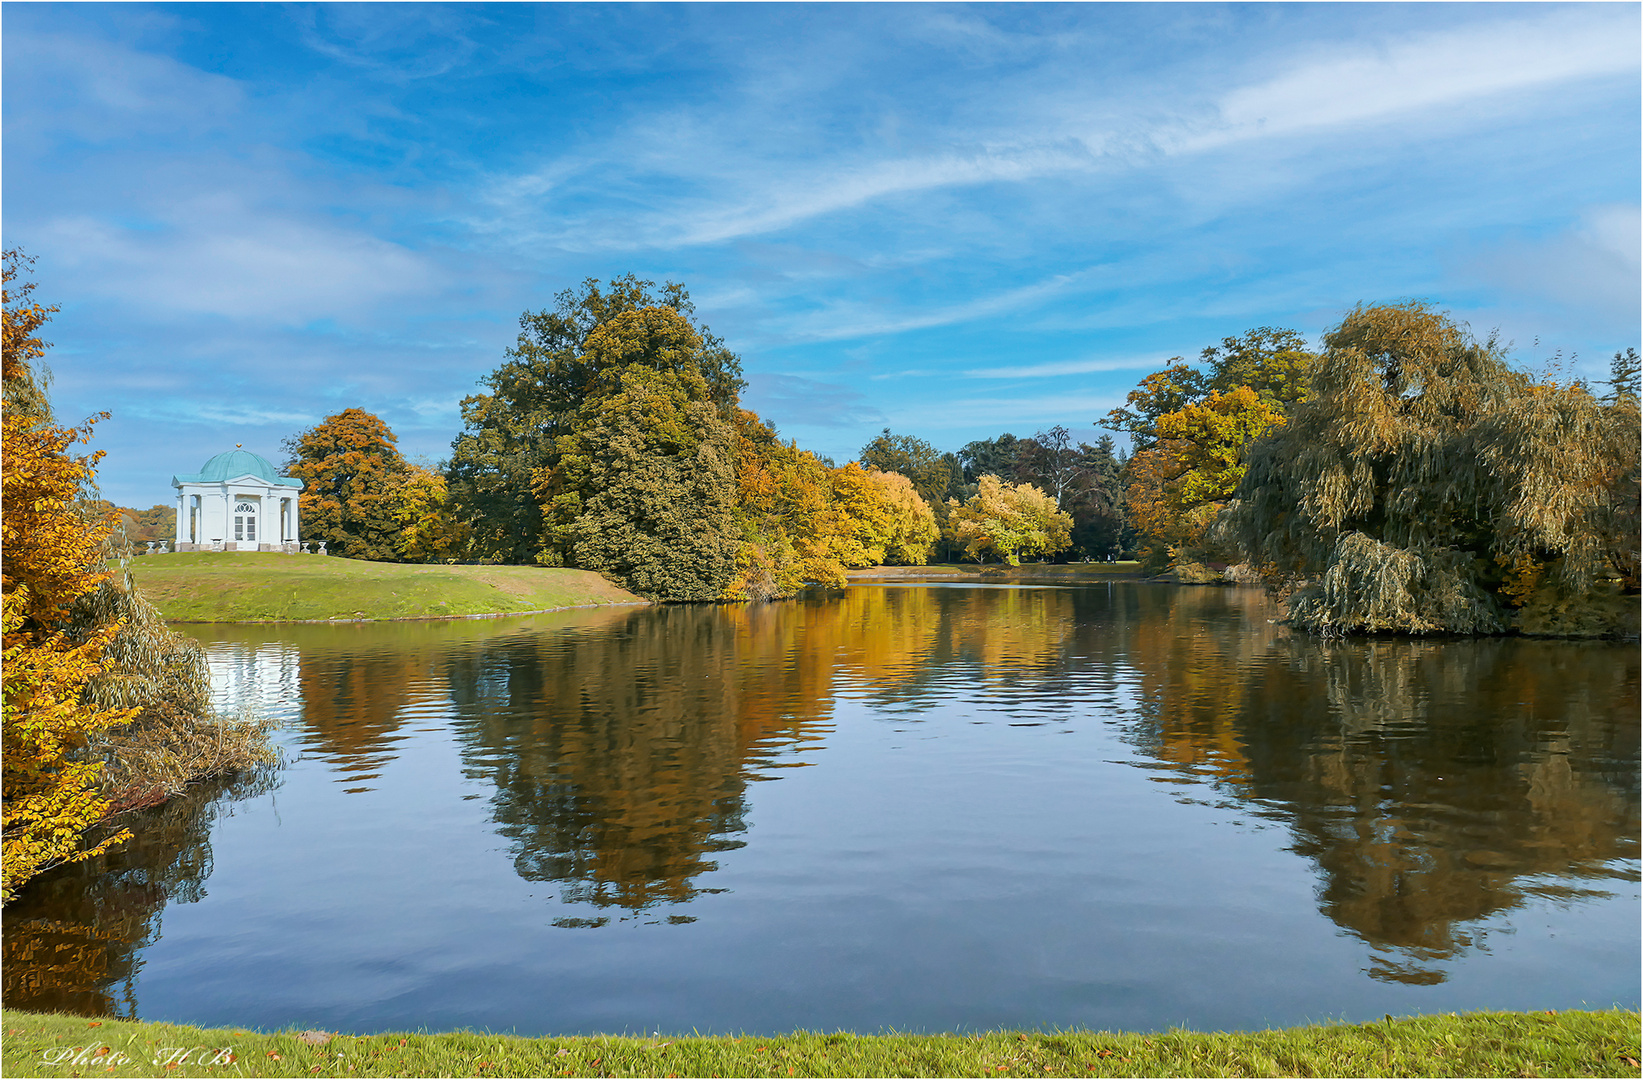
x=1010 y=520
x=350 y=466
x=886 y=519
x=1426 y=486
x=512 y=431
x=1163 y=392
x=1190 y=428
x=53 y=558
x=1275 y=363
x=419 y=503
x=794 y=530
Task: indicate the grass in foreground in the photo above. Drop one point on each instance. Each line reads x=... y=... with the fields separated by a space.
x=1469 y=1044
x=204 y=586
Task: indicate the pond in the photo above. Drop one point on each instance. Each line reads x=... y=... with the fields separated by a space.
x=925 y=807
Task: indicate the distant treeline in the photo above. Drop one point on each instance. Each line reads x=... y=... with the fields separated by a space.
x=1404 y=477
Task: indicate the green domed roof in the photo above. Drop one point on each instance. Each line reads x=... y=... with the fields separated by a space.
x=234 y=464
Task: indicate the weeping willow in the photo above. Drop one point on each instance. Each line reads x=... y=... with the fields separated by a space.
x=1428 y=487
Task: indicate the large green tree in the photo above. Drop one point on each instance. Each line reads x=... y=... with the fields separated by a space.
x=996 y=457
x=1096 y=501
x=534 y=398
x=645 y=488
x=1427 y=486
x=931 y=471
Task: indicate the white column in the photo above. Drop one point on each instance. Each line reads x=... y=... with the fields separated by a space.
x=182 y=518
x=296 y=503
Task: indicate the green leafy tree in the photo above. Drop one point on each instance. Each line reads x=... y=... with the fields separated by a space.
x=996 y=457
x=1096 y=501
x=534 y=398
x=1275 y=363
x=645 y=488
x=351 y=467
x=1426 y=486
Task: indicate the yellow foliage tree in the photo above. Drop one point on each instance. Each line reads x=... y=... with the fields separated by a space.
x=419 y=502
x=1010 y=520
x=888 y=521
x=1179 y=484
x=53 y=557
x=791 y=528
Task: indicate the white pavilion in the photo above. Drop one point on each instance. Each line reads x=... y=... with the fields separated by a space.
x=237 y=502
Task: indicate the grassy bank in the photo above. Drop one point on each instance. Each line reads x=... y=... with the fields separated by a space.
x=203 y=586
x=1471 y=1044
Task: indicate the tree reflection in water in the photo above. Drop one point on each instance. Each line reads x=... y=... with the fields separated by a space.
x=1434 y=783
x=72 y=937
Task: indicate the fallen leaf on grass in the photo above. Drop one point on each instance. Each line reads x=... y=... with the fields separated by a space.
x=274 y=1055
x=1632 y=1062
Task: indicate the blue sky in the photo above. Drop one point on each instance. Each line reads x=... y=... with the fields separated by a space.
x=953 y=221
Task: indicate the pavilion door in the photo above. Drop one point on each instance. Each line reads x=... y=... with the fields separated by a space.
x=245 y=525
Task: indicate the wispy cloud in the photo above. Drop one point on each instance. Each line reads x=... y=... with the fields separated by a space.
x=1066 y=367
x=219 y=257
x=1423 y=72
x=844 y=321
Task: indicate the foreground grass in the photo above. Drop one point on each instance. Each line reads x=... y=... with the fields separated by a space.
x=204 y=586
x=1470 y=1044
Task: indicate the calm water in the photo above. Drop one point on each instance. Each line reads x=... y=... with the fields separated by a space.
x=1121 y=806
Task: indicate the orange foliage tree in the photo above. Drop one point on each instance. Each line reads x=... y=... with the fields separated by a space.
x=53 y=557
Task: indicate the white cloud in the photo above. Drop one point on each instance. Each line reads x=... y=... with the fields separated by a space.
x=218 y=256
x=1427 y=72
x=791 y=400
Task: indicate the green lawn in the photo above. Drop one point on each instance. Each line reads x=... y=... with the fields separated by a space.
x=1469 y=1044
x=265 y=587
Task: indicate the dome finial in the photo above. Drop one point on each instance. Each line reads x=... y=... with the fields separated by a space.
x=239 y=446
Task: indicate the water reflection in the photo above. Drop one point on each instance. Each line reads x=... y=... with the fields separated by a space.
x=619 y=754
x=72 y=939
x=1434 y=784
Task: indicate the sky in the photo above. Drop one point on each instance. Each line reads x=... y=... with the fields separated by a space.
x=952 y=221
